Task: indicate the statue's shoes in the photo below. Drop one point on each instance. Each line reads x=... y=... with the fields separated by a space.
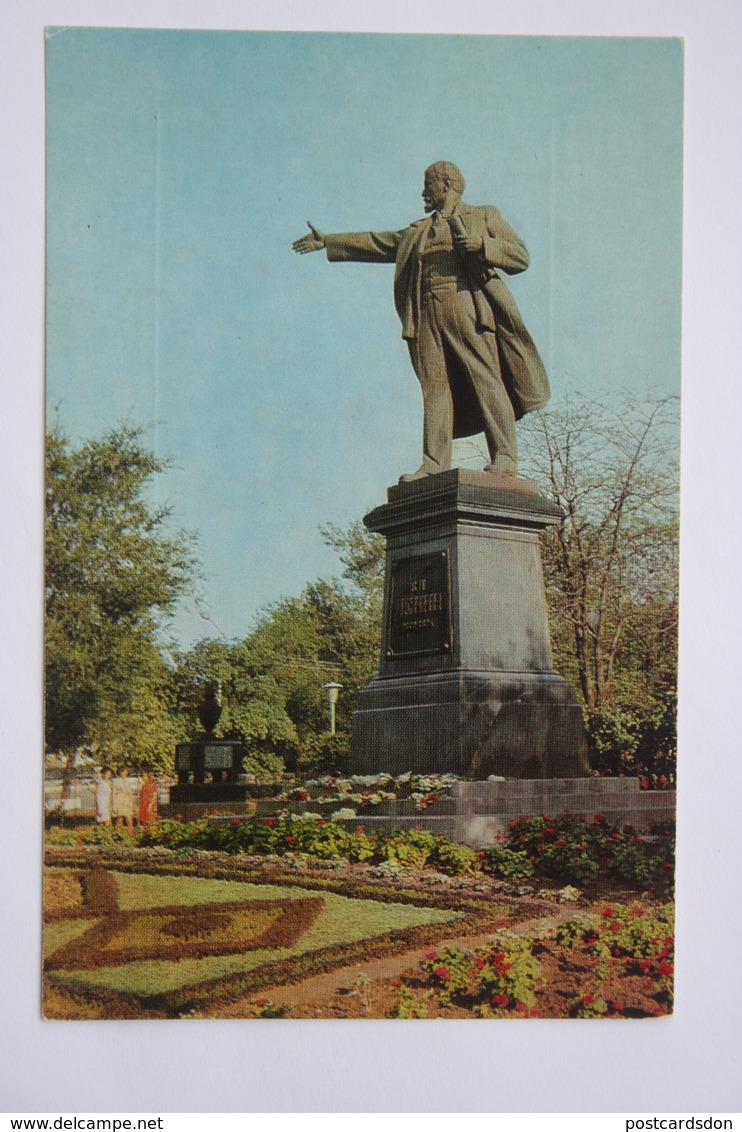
x=495 y=471
x=410 y=477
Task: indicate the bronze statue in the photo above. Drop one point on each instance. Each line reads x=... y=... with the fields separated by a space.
x=478 y=367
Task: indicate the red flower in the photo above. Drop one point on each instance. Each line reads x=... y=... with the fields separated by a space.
x=615 y=926
x=521 y=1006
x=617 y=1006
x=480 y=963
x=615 y=837
x=534 y=1012
x=607 y=913
x=270 y=821
x=561 y=841
x=599 y=819
x=442 y=972
x=644 y=964
x=432 y=955
x=665 y=969
x=588 y=999
x=549 y=830
x=667 y=865
x=499 y=1000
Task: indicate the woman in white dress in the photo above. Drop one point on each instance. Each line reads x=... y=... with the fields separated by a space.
x=103 y=798
x=122 y=799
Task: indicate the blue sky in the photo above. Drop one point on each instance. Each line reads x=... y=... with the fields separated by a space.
x=182 y=165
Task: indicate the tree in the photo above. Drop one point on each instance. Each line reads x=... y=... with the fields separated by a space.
x=113 y=575
x=611 y=565
x=272 y=681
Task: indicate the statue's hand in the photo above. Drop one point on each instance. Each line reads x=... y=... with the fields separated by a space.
x=468 y=244
x=314 y=242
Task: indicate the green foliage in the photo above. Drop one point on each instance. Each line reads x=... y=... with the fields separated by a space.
x=410 y=1004
x=568 y=848
x=629 y=936
x=510 y=864
x=453 y=858
x=588 y=1006
x=494 y=980
x=399 y=848
x=107 y=836
x=361 y=847
x=264 y=1008
x=272 y=693
x=324 y=754
x=611 y=569
x=577 y=851
x=113 y=575
x=321 y=839
x=265 y=765
x=636 y=735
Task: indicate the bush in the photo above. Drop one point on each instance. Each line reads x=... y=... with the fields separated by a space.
x=320 y=839
x=576 y=850
x=399 y=848
x=493 y=980
x=265 y=765
x=454 y=859
x=627 y=739
x=107 y=835
x=324 y=754
x=510 y=864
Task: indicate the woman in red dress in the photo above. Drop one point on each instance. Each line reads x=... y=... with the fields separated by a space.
x=148 y=800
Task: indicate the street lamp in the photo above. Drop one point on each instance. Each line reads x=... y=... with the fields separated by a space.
x=332 y=695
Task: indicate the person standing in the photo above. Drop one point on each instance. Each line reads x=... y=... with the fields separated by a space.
x=148 y=800
x=122 y=799
x=103 y=797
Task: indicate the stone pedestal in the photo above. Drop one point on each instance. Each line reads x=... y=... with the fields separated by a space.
x=208 y=772
x=466 y=683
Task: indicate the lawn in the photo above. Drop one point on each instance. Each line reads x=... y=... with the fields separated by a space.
x=144 y=944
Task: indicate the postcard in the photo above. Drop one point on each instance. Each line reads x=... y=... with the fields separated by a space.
x=363 y=374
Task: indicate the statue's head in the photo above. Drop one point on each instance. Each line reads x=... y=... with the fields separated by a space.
x=440 y=178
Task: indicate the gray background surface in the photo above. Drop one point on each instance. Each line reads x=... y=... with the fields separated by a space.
x=687 y=1063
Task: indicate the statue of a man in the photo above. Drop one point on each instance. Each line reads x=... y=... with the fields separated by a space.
x=478 y=367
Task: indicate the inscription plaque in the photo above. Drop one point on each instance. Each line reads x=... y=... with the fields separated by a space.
x=419 y=614
x=218 y=758
x=183 y=756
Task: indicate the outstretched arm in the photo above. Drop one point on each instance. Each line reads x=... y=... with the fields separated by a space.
x=313 y=242
x=358 y=247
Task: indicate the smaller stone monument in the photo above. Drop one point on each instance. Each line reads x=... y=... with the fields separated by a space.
x=208 y=768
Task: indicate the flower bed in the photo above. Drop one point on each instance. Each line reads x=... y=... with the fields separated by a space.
x=364 y=791
x=616 y=962
x=566 y=848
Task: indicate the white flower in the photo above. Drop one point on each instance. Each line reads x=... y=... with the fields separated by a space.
x=343 y=814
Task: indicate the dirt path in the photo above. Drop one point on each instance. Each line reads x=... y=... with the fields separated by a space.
x=319 y=989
